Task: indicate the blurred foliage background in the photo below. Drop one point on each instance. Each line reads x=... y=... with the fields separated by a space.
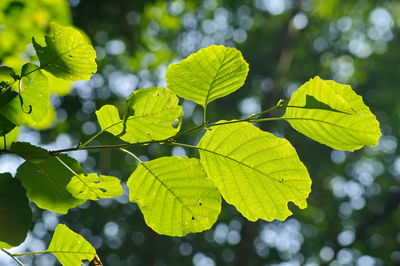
x=353 y=217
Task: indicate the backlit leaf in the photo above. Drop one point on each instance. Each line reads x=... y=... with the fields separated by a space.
x=332 y=114
x=207 y=75
x=175 y=195
x=255 y=171
x=156 y=115
x=67 y=55
x=35 y=94
x=15 y=212
x=93 y=186
x=69 y=247
x=46 y=183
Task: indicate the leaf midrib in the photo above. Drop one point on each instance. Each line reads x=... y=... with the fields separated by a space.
x=248 y=166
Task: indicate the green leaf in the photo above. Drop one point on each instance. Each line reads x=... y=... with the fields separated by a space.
x=156 y=116
x=69 y=247
x=332 y=114
x=7 y=97
x=46 y=183
x=6 y=125
x=68 y=55
x=15 y=213
x=35 y=94
x=175 y=195
x=30 y=152
x=93 y=186
x=254 y=170
x=5 y=245
x=7 y=74
x=10 y=138
x=208 y=74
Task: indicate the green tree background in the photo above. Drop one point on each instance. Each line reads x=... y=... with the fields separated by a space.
x=353 y=213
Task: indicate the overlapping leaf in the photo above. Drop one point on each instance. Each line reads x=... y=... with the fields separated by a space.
x=175 y=195
x=93 y=186
x=153 y=114
x=254 y=170
x=30 y=152
x=35 y=95
x=46 y=182
x=332 y=114
x=207 y=75
x=69 y=247
x=15 y=212
x=67 y=54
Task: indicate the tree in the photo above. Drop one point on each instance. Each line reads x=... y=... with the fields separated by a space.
x=213 y=113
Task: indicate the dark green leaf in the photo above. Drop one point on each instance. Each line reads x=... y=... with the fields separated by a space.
x=15 y=213
x=46 y=183
x=5 y=125
x=30 y=152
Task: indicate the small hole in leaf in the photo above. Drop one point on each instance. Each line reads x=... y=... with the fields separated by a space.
x=80 y=192
x=96 y=182
x=175 y=124
x=192 y=218
x=200 y=204
x=103 y=190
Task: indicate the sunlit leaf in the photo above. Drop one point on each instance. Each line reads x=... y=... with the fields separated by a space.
x=58 y=86
x=69 y=247
x=93 y=186
x=68 y=54
x=154 y=114
x=35 y=95
x=255 y=171
x=175 y=195
x=46 y=183
x=15 y=212
x=5 y=245
x=332 y=114
x=207 y=75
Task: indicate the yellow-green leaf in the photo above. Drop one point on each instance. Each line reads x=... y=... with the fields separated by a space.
x=208 y=74
x=156 y=115
x=67 y=54
x=93 y=186
x=69 y=247
x=254 y=170
x=332 y=114
x=175 y=195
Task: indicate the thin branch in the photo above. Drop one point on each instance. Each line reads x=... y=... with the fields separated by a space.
x=131 y=154
x=92 y=138
x=66 y=166
x=13 y=256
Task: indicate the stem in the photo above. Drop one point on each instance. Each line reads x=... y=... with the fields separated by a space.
x=31 y=253
x=183 y=145
x=131 y=154
x=12 y=256
x=205 y=117
x=279 y=104
x=30 y=72
x=5 y=142
x=91 y=139
x=189 y=130
x=66 y=166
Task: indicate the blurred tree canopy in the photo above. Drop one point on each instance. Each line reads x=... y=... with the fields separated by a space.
x=353 y=210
